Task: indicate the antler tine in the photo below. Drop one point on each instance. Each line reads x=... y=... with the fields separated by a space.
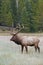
x=19 y=31
x=12 y=33
x=16 y=32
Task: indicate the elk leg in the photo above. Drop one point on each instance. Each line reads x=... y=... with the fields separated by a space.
x=35 y=49
x=22 y=48
x=38 y=49
x=26 y=49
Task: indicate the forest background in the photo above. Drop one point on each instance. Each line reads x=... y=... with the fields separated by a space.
x=27 y=13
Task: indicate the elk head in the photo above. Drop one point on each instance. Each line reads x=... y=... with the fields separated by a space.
x=14 y=37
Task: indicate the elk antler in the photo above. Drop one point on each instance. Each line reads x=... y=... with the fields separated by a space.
x=16 y=32
x=12 y=33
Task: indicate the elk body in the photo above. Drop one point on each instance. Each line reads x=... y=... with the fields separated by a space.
x=25 y=41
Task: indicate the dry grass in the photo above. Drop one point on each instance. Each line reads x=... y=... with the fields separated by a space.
x=7 y=33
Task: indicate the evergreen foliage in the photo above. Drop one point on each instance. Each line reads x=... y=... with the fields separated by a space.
x=26 y=12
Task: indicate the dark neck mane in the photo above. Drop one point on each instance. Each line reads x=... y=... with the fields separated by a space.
x=17 y=40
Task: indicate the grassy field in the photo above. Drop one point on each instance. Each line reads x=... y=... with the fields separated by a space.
x=10 y=53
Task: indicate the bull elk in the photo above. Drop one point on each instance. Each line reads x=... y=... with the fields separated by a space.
x=25 y=41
